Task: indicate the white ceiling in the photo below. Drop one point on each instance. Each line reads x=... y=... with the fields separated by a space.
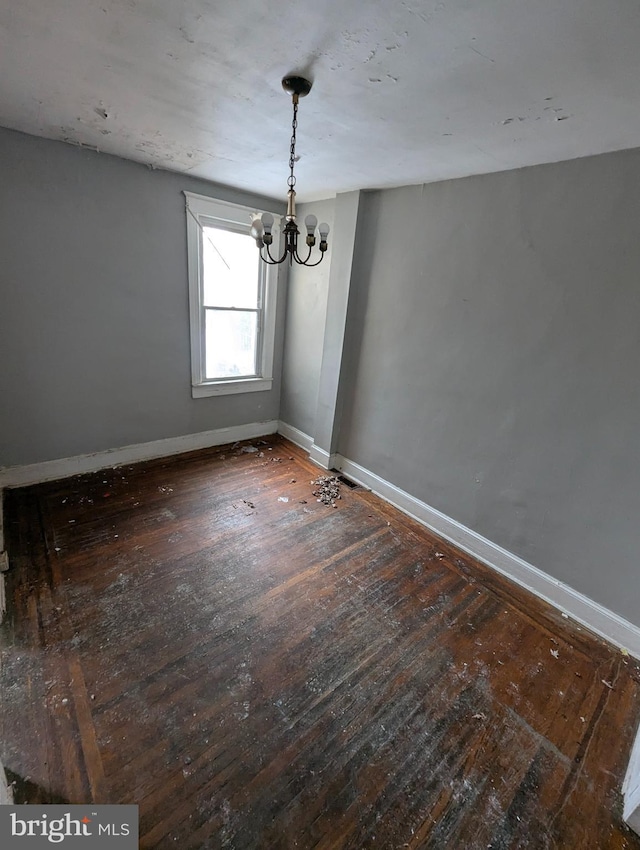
x=405 y=91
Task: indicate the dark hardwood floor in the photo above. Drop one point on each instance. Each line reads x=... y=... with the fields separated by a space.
x=200 y=636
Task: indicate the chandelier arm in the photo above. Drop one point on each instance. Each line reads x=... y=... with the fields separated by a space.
x=311 y=265
x=300 y=262
x=271 y=261
x=282 y=258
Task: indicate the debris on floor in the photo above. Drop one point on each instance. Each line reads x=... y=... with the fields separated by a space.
x=327 y=489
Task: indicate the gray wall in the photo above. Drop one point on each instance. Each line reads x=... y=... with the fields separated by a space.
x=304 y=330
x=495 y=343
x=491 y=351
x=94 y=323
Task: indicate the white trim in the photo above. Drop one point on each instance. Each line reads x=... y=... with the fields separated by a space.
x=632 y=817
x=201 y=210
x=631 y=788
x=322 y=457
x=295 y=435
x=632 y=776
x=244 y=385
x=226 y=210
x=594 y=616
x=50 y=470
x=631 y=811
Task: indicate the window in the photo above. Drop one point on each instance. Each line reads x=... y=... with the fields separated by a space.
x=232 y=300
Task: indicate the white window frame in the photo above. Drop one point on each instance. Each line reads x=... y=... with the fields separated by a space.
x=202 y=211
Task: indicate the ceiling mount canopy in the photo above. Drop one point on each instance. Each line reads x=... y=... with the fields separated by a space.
x=296 y=85
x=262 y=227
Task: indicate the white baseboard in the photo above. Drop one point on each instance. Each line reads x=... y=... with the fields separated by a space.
x=322 y=457
x=295 y=435
x=594 y=616
x=632 y=812
x=631 y=788
x=50 y=470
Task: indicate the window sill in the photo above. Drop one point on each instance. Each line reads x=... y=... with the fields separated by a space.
x=245 y=385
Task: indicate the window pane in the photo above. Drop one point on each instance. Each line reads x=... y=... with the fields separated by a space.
x=230 y=344
x=230 y=269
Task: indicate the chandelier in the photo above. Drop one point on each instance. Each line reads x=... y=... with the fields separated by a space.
x=262 y=226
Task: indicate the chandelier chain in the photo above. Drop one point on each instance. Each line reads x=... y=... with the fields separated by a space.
x=291 y=181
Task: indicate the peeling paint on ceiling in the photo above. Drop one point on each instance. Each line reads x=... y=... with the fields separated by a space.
x=405 y=91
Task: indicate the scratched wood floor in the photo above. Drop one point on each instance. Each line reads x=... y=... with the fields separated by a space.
x=262 y=673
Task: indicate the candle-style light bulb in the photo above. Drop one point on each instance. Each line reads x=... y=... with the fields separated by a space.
x=324 y=232
x=267 y=222
x=257 y=231
x=310 y=223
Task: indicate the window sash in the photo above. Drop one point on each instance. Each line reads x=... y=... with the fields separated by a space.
x=257 y=351
x=242 y=230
